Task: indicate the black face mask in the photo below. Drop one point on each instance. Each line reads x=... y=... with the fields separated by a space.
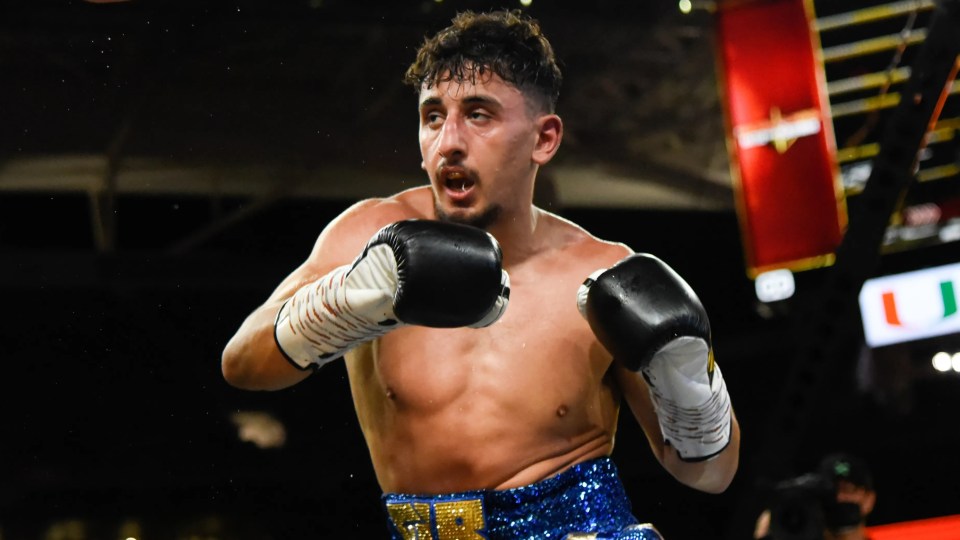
x=841 y=515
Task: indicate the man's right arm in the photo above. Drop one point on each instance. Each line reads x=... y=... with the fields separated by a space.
x=251 y=359
x=410 y=271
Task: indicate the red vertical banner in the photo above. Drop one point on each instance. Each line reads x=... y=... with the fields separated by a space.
x=790 y=202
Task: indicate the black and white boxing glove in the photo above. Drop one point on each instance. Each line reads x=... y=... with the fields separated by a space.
x=418 y=272
x=651 y=321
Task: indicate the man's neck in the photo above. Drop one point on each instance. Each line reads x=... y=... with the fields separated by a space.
x=517 y=234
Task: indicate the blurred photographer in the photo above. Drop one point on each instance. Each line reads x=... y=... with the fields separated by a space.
x=830 y=504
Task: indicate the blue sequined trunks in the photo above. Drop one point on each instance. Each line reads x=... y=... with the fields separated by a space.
x=587 y=498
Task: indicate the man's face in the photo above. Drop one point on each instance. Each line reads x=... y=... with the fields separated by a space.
x=477 y=140
x=848 y=492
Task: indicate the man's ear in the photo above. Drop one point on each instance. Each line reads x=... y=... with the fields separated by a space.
x=867 y=503
x=549 y=135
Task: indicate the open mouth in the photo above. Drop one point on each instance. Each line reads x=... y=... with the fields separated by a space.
x=457 y=180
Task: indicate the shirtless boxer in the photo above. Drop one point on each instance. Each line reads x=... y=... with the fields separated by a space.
x=489 y=342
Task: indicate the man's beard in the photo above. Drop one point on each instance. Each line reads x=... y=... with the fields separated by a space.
x=483 y=220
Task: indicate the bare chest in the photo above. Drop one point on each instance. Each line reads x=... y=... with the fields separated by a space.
x=540 y=352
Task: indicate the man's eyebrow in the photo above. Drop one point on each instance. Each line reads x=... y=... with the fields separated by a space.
x=430 y=102
x=483 y=100
x=434 y=101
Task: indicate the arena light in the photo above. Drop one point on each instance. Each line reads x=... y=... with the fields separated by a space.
x=950 y=232
x=775 y=285
x=130 y=530
x=689 y=6
x=955 y=362
x=260 y=428
x=942 y=362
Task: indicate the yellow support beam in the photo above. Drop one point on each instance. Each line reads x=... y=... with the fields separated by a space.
x=875 y=103
x=871 y=14
x=870 y=80
x=849 y=108
x=938 y=173
x=949 y=170
x=872 y=45
x=855 y=153
x=864 y=151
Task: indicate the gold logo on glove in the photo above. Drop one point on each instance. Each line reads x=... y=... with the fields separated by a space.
x=710 y=366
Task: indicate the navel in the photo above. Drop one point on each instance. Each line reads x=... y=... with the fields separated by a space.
x=391 y=394
x=562 y=411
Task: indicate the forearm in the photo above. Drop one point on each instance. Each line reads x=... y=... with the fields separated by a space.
x=713 y=475
x=310 y=322
x=251 y=359
x=411 y=272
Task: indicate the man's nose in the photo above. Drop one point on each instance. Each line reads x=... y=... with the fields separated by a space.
x=452 y=143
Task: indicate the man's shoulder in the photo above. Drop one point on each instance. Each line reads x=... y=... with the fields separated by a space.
x=584 y=244
x=417 y=199
x=346 y=235
x=413 y=203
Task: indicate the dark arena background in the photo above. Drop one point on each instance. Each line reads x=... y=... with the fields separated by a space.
x=163 y=165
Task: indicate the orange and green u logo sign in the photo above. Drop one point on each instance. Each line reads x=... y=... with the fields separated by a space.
x=947 y=293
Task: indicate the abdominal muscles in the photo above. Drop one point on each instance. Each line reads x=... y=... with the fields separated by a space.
x=495 y=411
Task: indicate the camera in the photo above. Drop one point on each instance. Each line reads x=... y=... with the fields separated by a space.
x=805 y=506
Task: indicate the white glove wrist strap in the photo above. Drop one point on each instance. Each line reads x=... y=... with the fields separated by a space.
x=350 y=305
x=690 y=398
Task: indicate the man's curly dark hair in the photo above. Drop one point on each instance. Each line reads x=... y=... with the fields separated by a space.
x=507 y=43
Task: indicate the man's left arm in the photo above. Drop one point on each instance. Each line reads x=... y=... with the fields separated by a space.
x=712 y=475
x=658 y=332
